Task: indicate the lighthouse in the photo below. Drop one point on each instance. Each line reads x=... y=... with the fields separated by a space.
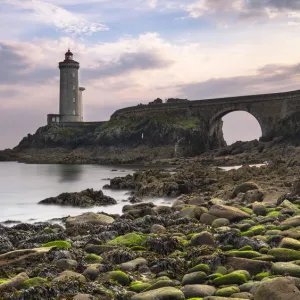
x=70 y=93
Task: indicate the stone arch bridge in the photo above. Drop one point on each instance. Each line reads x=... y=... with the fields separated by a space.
x=268 y=109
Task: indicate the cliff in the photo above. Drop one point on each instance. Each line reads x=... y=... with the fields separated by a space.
x=119 y=140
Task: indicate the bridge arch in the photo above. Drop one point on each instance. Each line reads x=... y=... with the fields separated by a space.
x=215 y=121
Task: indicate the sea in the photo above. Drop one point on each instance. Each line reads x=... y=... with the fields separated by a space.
x=22 y=186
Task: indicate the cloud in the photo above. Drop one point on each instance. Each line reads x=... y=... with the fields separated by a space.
x=16 y=67
x=230 y=10
x=268 y=79
x=58 y=17
x=128 y=62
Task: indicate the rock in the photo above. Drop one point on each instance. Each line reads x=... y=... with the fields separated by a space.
x=290 y=244
x=243 y=295
x=84 y=297
x=207 y=219
x=119 y=276
x=253 y=196
x=251 y=265
x=99 y=249
x=286 y=268
x=277 y=289
x=289 y=205
x=129 y=239
x=161 y=283
x=282 y=254
x=16 y=282
x=194 y=278
x=227 y=291
x=259 y=209
x=203 y=238
x=133 y=264
x=220 y=222
x=156 y=228
x=89 y=218
x=5 y=244
x=165 y=293
x=198 y=290
x=67 y=264
x=21 y=256
x=192 y=212
x=92 y=271
x=220 y=298
x=228 y=212
x=86 y=198
x=196 y=201
x=67 y=275
x=230 y=279
x=294 y=221
x=244 y=187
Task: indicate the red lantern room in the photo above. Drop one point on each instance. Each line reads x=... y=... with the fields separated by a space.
x=69 y=56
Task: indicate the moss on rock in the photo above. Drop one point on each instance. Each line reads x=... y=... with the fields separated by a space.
x=93 y=258
x=129 y=239
x=283 y=254
x=58 y=244
x=230 y=279
x=36 y=281
x=227 y=291
x=119 y=276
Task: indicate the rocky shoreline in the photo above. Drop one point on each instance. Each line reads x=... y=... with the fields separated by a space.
x=229 y=235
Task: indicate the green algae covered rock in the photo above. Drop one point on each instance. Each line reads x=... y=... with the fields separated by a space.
x=243 y=254
x=139 y=286
x=246 y=273
x=227 y=291
x=119 y=276
x=128 y=239
x=255 y=230
x=290 y=244
x=93 y=259
x=283 y=254
x=200 y=267
x=165 y=293
x=36 y=281
x=194 y=278
x=230 y=279
x=286 y=268
x=220 y=222
x=261 y=276
x=58 y=244
x=161 y=283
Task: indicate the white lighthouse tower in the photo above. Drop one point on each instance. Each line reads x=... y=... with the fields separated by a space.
x=70 y=96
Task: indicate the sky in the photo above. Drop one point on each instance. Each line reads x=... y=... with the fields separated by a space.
x=133 y=51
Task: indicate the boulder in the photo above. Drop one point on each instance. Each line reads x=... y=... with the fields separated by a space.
x=277 y=289
x=84 y=297
x=286 y=268
x=203 y=238
x=207 y=219
x=133 y=264
x=194 y=278
x=89 y=218
x=198 y=290
x=66 y=264
x=86 y=198
x=251 y=265
x=165 y=293
x=16 y=282
x=67 y=275
x=156 y=228
x=294 y=221
x=228 y=212
x=244 y=187
x=290 y=244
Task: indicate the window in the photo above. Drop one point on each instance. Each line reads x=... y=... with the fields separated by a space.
x=73 y=75
x=74 y=99
x=73 y=87
x=74 y=112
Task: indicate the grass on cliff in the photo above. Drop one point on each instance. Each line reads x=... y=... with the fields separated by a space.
x=133 y=124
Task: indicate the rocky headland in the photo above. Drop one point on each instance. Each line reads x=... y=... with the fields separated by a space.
x=228 y=235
